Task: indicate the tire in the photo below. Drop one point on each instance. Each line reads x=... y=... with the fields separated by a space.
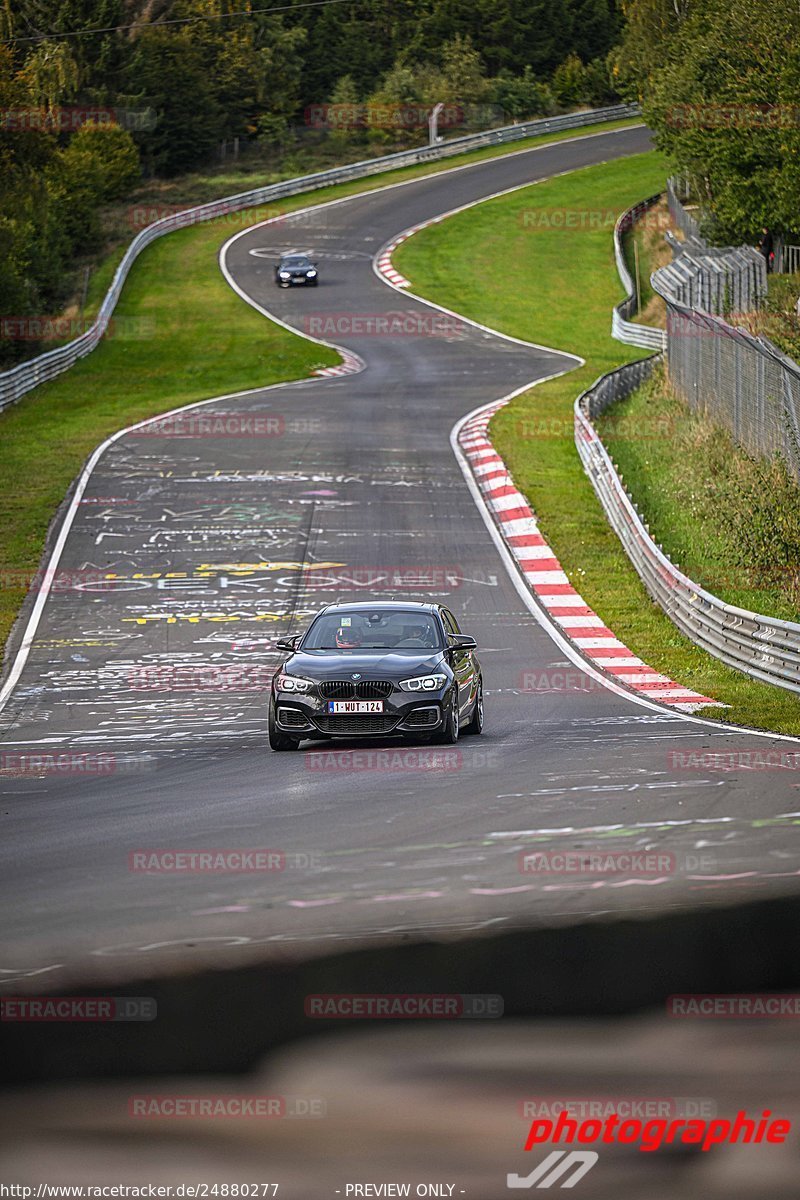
x=277 y=739
x=449 y=735
x=475 y=723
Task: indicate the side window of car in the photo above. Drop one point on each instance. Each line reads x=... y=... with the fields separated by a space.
x=450 y=623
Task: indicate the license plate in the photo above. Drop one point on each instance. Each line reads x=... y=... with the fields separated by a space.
x=341 y=707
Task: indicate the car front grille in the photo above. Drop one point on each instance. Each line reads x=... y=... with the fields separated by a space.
x=368 y=689
x=337 y=689
x=356 y=724
x=372 y=689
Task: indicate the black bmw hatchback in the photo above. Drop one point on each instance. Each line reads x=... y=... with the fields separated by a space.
x=363 y=670
x=296 y=268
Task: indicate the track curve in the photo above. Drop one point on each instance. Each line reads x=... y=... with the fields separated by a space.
x=219 y=543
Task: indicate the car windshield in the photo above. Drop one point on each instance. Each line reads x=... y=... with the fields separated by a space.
x=296 y=260
x=383 y=629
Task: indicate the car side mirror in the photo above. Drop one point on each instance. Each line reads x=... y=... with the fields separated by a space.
x=288 y=643
x=462 y=641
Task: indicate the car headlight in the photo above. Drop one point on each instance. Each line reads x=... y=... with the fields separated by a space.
x=284 y=275
x=310 y=274
x=424 y=683
x=293 y=683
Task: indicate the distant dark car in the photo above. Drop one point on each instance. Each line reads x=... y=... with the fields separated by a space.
x=296 y=268
x=365 y=670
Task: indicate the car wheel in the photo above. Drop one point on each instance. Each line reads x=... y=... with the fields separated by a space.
x=277 y=739
x=450 y=733
x=475 y=723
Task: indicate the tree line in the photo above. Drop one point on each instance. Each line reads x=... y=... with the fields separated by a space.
x=719 y=86
x=152 y=88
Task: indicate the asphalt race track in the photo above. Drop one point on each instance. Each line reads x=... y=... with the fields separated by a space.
x=157 y=681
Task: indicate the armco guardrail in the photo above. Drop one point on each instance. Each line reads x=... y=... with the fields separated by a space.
x=681 y=217
x=622 y=328
x=716 y=279
x=19 y=380
x=720 y=281
x=761 y=647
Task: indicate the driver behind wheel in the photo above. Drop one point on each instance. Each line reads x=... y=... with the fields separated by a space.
x=417 y=635
x=347 y=638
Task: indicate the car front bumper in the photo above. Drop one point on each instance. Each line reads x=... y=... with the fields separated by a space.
x=308 y=716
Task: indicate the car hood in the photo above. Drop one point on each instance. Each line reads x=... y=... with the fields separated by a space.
x=378 y=664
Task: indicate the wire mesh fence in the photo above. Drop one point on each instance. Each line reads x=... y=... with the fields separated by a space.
x=765 y=648
x=739 y=380
x=677 y=192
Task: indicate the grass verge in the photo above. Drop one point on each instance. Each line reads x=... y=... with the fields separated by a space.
x=685 y=473
x=646 y=243
x=566 y=302
x=201 y=341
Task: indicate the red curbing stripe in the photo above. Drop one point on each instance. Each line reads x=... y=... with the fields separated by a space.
x=480 y=452
x=513 y=514
x=521 y=540
x=580 y=610
x=607 y=652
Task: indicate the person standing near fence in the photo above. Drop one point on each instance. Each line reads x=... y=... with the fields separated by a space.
x=766 y=247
